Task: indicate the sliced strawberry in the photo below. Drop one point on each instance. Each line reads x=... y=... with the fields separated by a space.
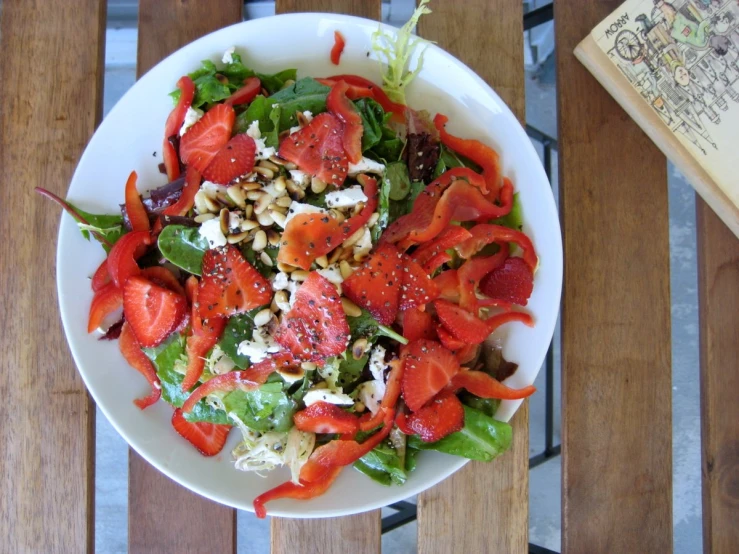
x=198 y=347
x=448 y=238
x=107 y=300
x=323 y=417
x=469 y=328
x=318 y=149
x=511 y=282
x=200 y=144
x=448 y=284
x=152 y=311
x=417 y=324
x=230 y=285
x=232 y=161
x=316 y=327
x=448 y=340
x=417 y=288
x=442 y=416
x=467 y=354
x=307 y=237
x=376 y=285
x=208 y=438
x=131 y=350
x=428 y=368
x=163 y=277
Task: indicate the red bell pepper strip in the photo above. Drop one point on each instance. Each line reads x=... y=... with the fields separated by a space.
x=487 y=233
x=390 y=400
x=101 y=276
x=247 y=93
x=471 y=273
x=338 y=48
x=339 y=105
x=186 y=200
x=105 y=302
x=483 y=385
x=302 y=491
x=467 y=353
x=134 y=206
x=172 y=127
x=131 y=350
x=354 y=223
x=398 y=110
x=122 y=257
x=354 y=92
x=448 y=285
x=482 y=155
x=436 y=262
x=448 y=238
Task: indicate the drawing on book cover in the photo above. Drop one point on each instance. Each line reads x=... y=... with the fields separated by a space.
x=682 y=56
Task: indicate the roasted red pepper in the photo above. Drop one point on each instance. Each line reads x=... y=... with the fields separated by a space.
x=101 y=276
x=302 y=491
x=483 y=385
x=471 y=273
x=131 y=350
x=187 y=199
x=448 y=238
x=134 y=206
x=339 y=105
x=106 y=300
x=488 y=233
x=247 y=93
x=354 y=92
x=338 y=47
x=386 y=413
x=398 y=110
x=172 y=127
x=122 y=257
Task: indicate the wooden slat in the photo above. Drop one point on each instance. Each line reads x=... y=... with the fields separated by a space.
x=48 y=421
x=718 y=293
x=370 y=9
x=616 y=416
x=162 y=515
x=483 y=507
x=359 y=533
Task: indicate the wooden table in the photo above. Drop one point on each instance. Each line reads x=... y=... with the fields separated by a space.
x=617 y=487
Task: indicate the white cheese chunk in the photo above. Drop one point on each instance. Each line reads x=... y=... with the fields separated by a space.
x=299 y=208
x=332 y=274
x=325 y=395
x=228 y=55
x=300 y=177
x=192 y=116
x=263 y=151
x=211 y=231
x=370 y=393
x=364 y=244
x=377 y=365
x=346 y=198
x=365 y=165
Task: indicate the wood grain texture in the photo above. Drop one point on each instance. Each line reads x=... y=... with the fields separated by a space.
x=718 y=295
x=483 y=507
x=359 y=533
x=371 y=9
x=163 y=516
x=47 y=435
x=616 y=416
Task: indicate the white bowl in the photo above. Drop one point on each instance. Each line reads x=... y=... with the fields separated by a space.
x=130 y=138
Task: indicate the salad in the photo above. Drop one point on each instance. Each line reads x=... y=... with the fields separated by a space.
x=319 y=273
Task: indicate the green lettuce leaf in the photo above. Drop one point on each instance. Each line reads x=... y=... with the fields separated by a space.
x=274 y=83
x=514 y=219
x=383 y=465
x=373 y=117
x=305 y=94
x=267 y=408
x=238 y=328
x=183 y=246
x=107 y=225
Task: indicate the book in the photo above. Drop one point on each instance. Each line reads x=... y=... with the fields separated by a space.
x=674 y=68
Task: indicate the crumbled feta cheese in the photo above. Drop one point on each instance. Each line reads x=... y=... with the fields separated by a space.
x=263 y=151
x=300 y=177
x=211 y=231
x=210 y=188
x=332 y=274
x=364 y=244
x=271 y=189
x=370 y=393
x=289 y=377
x=377 y=365
x=260 y=346
x=330 y=373
x=346 y=198
x=235 y=220
x=365 y=165
x=280 y=281
x=295 y=129
x=228 y=55
x=308 y=115
x=299 y=208
x=192 y=116
x=325 y=395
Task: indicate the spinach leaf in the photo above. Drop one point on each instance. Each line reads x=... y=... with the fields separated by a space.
x=367 y=326
x=274 y=83
x=238 y=328
x=165 y=357
x=389 y=149
x=482 y=438
x=383 y=209
x=373 y=117
x=450 y=159
x=514 y=218
x=396 y=174
x=183 y=246
x=271 y=137
x=209 y=88
x=350 y=369
x=383 y=465
x=267 y=408
x=305 y=94
x=109 y=226
x=236 y=71
x=258 y=110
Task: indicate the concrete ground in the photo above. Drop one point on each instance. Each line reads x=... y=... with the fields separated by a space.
x=545 y=508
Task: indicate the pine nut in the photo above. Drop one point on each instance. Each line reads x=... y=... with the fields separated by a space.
x=354 y=238
x=278 y=217
x=282 y=301
x=238 y=195
x=359 y=407
x=308 y=366
x=297 y=195
x=248 y=225
x=280 y=184
x=275 y=207
x=374 y=218
x=275 y=159
x=360 y=348
x=273 y=237
x=237 y=238
x=212 y=205
x=254 y=195
x=350 y=308
x=265 y=219
x=260 y=241
x=322 y=261
x=285 y=268
x=262 y=317
x=202 y=218
x=248 y=211
x=318 y=185
x=264 y=172
x=251 y=186
x=302 y=119
x=335 y=255
x=358 y=207
x=299 y=275
x=266 y=260
x=224 y=217
x=345 y=269
x=269 y=165
x=337 y=215
x=361 y=257
x=200 y=205
x=284 y=201
x=225 y=199
x=261 y=205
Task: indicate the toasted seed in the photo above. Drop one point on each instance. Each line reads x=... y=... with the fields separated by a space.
x=308 y=366
x=359 y=407
x=266 y=260
x=285 y=268
x=248 y=211
x=350 y=308
x=251 y=186
x=297 y=195
x=358 y=207
x=238 y=237
x=278 y=217
x=280 y=183
x=237 y=195
x=269 y=165
x=203 y=218
x=292 y=186
x=263 y=203
x=361 y=256
x=248 y=225
x=299 y=275
x=260 y=241
x=322 y=261
x=318 y=185
x=335 y=255
x=264 y=172
x=265 y=219
x=374 y=218
x=282 y=301
x=273 y=237
x=284 y=201
x=337 y=215
x=212 y=205
x=275 y=207
x=345 y=269
x=360 y=346
x=224 y=217
x=275 y=159
x=225 y=199
x=254 y=195
x=354 y=238
x=347 y=254
x=262 y=317
x=200 y=205
x=321 y=385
